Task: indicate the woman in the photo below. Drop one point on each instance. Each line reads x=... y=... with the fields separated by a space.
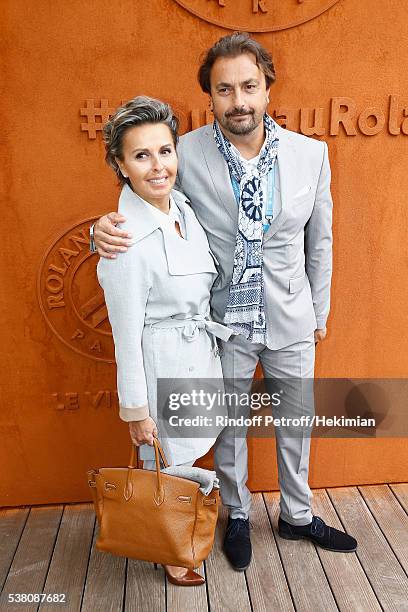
x=158 y=292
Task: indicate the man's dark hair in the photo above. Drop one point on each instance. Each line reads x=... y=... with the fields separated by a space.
x=231 y=46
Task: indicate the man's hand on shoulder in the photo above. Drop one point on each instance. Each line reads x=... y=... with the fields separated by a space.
x=110 y=240
x=320 y=334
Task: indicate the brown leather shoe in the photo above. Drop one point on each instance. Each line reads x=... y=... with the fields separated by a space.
x=182 y=576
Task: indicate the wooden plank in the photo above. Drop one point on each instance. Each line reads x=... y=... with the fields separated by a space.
x=347 y=579
x=145 y=588
x=180 y=599
x=227 y=589
x=32 y=558
x=105 y=581
x=12 y=523
x=391 y=517
x=308 y=583
x=385 y=574
x=69 y=563
x=268 y=588
x=401 y=492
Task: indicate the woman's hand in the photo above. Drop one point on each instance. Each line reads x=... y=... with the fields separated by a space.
x=142 y=432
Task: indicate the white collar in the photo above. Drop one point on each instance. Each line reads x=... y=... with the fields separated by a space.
x=135 y=209
x=174 y=211
x=253 y=160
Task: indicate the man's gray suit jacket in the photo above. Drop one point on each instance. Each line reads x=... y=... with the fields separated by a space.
x=298 y=245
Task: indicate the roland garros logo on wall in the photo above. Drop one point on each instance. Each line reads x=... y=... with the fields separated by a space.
x=70 y=297
x=257 y=15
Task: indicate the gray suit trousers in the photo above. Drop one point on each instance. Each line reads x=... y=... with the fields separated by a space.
x=289 y=370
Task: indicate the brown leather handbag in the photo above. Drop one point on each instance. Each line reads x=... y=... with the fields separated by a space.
x=151 y=516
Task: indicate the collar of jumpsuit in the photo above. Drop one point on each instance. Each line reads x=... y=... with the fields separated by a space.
x=168 y=220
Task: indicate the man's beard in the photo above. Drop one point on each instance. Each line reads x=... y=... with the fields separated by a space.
x=240 y=127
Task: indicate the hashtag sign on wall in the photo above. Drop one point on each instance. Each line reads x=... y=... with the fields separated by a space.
x=92 y=113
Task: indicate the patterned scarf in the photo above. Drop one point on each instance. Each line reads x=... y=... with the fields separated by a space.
x=245 y=312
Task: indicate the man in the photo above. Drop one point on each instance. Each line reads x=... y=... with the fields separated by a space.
x=262 y=194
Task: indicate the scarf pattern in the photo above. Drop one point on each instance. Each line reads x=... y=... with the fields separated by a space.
x=245 y=311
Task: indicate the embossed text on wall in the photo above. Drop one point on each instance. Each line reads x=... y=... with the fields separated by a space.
x=257 y=15
x=341 y=116
x=70 y=297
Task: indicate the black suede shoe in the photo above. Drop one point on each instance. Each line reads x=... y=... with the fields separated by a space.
x=318 y=532
x=237 y=543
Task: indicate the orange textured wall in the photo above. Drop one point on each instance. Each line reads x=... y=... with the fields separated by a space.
x=59 y=414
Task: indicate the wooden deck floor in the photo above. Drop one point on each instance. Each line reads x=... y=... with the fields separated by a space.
x=51 y=549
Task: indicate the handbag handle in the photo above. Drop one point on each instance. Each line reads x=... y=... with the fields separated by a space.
x=157 y=447
x=159 y=454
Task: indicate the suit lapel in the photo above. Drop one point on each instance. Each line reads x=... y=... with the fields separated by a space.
x=221 y=180
x=287 y=178
x=218 y=169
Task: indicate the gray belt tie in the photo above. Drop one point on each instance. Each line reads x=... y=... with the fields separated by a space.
x=192 y=325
